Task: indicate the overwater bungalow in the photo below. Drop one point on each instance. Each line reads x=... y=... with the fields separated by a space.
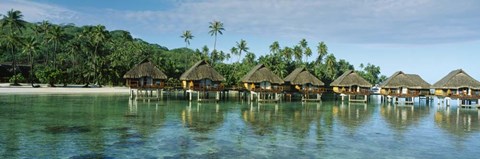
x=204 y=80
x=302 y=81
x=263 y=83
x=145 y=81
x=406 y=86
x=458 y=85
x=352 y=85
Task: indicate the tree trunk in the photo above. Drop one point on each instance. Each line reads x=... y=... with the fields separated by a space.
x=31 y=70
x=14 y=67
x=215 y=43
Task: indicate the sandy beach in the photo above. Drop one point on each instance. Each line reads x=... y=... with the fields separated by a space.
x=25 y=88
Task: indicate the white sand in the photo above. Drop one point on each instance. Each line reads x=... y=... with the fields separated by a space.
x=75 y=89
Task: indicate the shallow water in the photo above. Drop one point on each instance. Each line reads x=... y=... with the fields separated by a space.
x=111 y=126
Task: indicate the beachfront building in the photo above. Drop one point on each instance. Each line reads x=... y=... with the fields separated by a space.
x=263 y=83
x=204 y=80
x=145 y=81
x=302 y=81
x=352 y=85
x=404 y=86
x=458 y=85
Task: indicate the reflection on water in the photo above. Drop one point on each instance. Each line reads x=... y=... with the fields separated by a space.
x=268 y=118
x=402 y=118
x=352 y=115
x=457 y=121
x=110 y=126
x=203 y=117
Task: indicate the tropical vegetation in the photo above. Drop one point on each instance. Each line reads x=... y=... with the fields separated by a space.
x=62 y=54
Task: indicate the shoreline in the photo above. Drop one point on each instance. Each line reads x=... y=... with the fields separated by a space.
x=71 y=89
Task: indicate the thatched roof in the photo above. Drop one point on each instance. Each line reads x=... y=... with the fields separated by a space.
x=400 y=79
x=457 y=79
x=261 y=73
x=350 y=78
x=145 y=69
x=301 y=76
x=201 y=70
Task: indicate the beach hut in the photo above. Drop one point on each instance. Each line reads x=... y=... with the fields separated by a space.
x=406 y=86
x=458 y=85
x=352 y=85
x=204 y=80
x=145 y=81
x=300 y=80
x=263 y=83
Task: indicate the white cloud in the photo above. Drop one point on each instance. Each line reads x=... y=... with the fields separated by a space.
x=343 y=21
x=352 y=21
x=35 y=12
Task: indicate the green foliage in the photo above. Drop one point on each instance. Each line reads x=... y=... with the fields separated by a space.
x=72 y=54
x=17 y=77
x=48 y=75
x=371 y=73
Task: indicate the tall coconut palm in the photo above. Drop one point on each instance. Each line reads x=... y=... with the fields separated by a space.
x=13 y=24
x=30 y=47
x=331 y=64
x=241 y=46
x=43 y=31
x=187 y=36
x=297 y=52
x=322 y=50
x=275 y=47
x=56 y=36
x=99 y=36
x=305 y=49
x=216 y=27
x=205 y=51
x=308 y=53
x=287 y=52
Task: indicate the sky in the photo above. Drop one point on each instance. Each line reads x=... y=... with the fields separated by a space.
x=425 y=37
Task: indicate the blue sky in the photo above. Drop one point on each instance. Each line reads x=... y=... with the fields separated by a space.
x=425 y=37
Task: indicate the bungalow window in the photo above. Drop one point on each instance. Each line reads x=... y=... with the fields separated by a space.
x=205 y=82
x=265 y=85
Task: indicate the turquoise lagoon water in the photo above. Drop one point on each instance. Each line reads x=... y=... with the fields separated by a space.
x=111 y=126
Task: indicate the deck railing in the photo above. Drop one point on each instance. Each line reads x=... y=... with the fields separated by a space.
x=313 y=91
x=153 y=86
x=271 y=90
x=207 y=88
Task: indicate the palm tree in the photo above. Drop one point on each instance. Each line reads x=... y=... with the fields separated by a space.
x=241 y=46
x=205 y=51
x=43 y=29
x=308 y=53
x=99 y=36
x=287 y=52
x=297 y=52
x=30 y=47
x=331 y=64
x=56 y=36
x=14 y=24
x=250 y=58
x=322 y=50
x=234 y=51
x=216 y=27
x=275 y=47
x=305 y=49
x=187 y=36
